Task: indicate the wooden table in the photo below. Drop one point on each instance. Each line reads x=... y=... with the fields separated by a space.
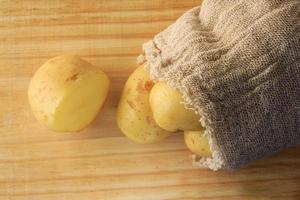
x=99 y=162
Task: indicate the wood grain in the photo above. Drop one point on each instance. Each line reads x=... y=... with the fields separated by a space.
x=99 y=162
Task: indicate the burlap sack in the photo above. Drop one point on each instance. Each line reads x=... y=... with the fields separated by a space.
x=237 y=64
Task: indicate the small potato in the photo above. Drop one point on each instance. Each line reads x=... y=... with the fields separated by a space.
x=197 y=143
x=134 y=116
x=66 y=93
x=168 y=111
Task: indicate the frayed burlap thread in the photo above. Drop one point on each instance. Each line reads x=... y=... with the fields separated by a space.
x=237 y=64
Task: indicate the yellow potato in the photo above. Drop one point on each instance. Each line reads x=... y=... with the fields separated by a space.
x=66 y=93
x=197 y=143
x=134 y=116
x=168 y=111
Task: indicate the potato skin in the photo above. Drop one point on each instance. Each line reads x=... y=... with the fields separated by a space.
x=197 y=143
x=57 y=80
x=134 y=116
x=168 y=111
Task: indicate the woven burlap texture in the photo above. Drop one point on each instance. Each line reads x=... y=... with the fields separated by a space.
x=237 y=65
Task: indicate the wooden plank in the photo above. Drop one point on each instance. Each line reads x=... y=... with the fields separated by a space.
x=99 y=162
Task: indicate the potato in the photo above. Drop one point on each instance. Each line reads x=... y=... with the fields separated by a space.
x=66 y=93
x=134 y=116
x=197 y=143
x=168 y=111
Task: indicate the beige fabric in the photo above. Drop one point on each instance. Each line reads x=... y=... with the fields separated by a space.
x=237 y=64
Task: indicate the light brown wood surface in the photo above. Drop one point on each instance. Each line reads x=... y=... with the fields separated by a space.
x=99 y=162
